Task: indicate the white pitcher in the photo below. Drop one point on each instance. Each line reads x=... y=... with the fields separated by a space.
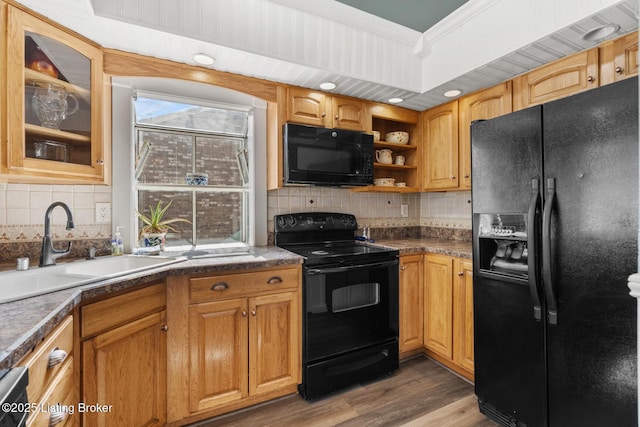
x=384 y=156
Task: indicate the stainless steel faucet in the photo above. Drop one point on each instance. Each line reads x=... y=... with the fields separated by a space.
x=48 y=254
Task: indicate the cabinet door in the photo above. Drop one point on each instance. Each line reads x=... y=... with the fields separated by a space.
x=463 y=314
x=441 y=147
x=219 y=358
x=55 y=81
x=349 y=114
x=619 y=59
x=438 y=305
x=126 y=367
x=274 y=342
x=483 y=105
x=411 y=302
x=307 y=107
x=561 y=78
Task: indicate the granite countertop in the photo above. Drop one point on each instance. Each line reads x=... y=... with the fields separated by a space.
x=24 y=323
x=450 y=247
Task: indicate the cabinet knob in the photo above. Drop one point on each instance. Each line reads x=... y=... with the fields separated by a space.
x=460 y=273
x=453 y=177
x=274 y=280
x=220 y=286
x=164 y=328
x=403 y=268
x=253 y=312
x=56 y=357
x=323 y=114
x=619 y=70
x=100 y=161
x=591 y=79
x=337 y=117
x=466 y=175
x=244 y=313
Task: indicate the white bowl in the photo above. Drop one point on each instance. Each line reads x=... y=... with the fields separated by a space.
x=401 y=184
x=397 y=137
x=384 y=182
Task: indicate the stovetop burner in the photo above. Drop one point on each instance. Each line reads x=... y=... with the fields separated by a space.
x=325 y=238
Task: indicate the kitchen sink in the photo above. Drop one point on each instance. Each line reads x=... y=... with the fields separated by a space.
x=15 y=285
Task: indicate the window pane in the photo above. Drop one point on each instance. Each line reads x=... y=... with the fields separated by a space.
x=156 y=112
x=220 y=217
x=181 y=207
x=218 y=157
x=169 y=159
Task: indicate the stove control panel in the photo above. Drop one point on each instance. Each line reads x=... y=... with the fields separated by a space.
x=308 y=221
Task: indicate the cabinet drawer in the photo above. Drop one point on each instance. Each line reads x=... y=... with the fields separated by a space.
x=234 y=285
x=122 y=309
x=58 y=404
x=57 y=347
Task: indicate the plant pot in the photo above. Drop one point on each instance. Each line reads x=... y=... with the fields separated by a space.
x=154 y=239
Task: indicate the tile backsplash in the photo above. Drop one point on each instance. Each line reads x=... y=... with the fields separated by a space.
x=447 y=210
x=23 y=206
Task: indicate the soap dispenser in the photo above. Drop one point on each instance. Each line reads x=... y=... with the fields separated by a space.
x=117 y=244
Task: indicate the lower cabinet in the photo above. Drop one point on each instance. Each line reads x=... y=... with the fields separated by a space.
x=237 y=339
x=436 y=299
x=51 y=379
x=411 y=334
x=124 y=359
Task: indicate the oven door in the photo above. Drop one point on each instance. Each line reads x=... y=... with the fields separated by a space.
x=349 y=307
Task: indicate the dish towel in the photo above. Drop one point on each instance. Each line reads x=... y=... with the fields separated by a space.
x=634 y=285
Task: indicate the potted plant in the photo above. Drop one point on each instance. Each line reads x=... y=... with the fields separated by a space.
x=155 y=226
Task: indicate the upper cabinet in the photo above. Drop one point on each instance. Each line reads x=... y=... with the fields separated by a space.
x=561 y=78
x=440 y=150
x=320 y=109
x=619 y=59
x=54 y=122
x=483 y=105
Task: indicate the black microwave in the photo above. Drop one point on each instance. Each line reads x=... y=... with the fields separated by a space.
x=331 y=157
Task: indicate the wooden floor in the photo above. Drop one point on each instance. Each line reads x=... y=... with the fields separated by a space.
x=420 y=393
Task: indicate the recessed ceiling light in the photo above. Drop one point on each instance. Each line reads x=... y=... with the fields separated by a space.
x=600 y=33
x=453 y=92
x=203 y=59
x=395 y=100
x=327 y=85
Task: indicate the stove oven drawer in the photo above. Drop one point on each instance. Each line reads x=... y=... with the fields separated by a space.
x=242 y=284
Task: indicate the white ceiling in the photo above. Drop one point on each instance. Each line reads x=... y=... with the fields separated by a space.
x=304 y=43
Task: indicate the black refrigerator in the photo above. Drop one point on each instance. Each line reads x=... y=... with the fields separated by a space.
x=555 y=237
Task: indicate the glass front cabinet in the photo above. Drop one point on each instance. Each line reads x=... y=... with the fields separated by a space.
x=54 y=104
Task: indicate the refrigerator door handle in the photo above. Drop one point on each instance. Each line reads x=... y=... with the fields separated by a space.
x=547 y=276
x=531 y=248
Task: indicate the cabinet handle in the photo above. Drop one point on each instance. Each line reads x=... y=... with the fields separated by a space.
x=100 y=161
x=253 y=312
x=466 y=175
x=244 y=313
x=56 y=357
x=56 y=418
x=164 y=328
x=220 y=286
x=274 y=280
x=460 y=273
x=619 y=70
x=453 y=177
x=590 y=79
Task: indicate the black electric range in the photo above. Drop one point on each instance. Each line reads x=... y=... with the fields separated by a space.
x=350 y=301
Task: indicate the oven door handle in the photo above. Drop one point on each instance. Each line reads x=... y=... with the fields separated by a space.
x=351 y=267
